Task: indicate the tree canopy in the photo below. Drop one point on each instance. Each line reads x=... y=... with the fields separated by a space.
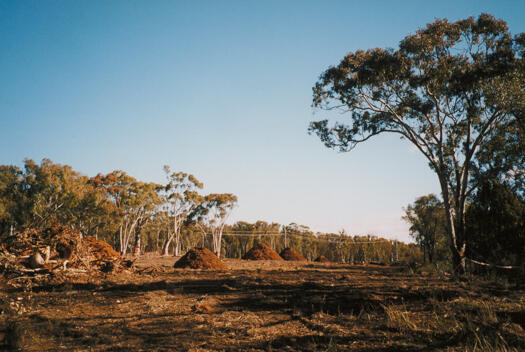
x=453 y=89
x=426 y=218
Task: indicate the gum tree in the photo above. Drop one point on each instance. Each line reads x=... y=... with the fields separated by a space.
x=425 y=217
x=181 y=197
x=212 y=214
x=134 y=202
x=449 y=89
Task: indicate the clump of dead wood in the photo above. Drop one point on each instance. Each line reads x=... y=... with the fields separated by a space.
x=56 y=248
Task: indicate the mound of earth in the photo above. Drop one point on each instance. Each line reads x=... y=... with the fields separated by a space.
x=200 y=258
x=101 y=250
x=322 y=259
x=261 y=251
x=291 y=254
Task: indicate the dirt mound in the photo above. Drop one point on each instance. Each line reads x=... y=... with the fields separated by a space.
x=291 y=254
x=261 y=251
x=99 y=249
x=322 y=259
x=200 y=258
x=54 y=248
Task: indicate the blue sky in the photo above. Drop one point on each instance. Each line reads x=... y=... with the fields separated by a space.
x=221 y=89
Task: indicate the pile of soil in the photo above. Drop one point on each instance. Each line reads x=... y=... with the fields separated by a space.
x=54 y=248
x=291 y=254
x=200 y=258
x=322 y=259
x=261 y=251
x=101 y=250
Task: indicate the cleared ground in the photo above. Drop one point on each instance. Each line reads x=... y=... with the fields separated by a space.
x=260 y=306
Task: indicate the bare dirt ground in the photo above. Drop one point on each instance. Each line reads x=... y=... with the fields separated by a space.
x=260 y=306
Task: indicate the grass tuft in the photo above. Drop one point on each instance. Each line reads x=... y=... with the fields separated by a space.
x=398 y=318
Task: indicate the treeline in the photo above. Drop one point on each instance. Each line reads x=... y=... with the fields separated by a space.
x=238 y=238
x=167 y=218
x=340 y=247
x=115 y=207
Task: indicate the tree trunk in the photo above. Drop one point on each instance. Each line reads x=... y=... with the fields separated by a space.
x=459 y=262
x=217 y=237
x=121 y=241
x=177 y=245
x=458 y=253
x=176 y=234
x=136 y=250
x=166 y=245
x=125 y=235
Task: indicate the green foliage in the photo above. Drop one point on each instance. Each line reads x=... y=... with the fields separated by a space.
x=212 y=214
x=496 y=226
x=181 y=198
x=132 y=204
x=427 y=225
x=453 y=90
x=40 y=195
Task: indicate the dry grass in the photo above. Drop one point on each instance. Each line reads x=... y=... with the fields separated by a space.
x=261 y=306
x=400 y=319
x=481 y=325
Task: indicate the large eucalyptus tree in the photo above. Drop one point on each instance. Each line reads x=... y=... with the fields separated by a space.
x=450 y=89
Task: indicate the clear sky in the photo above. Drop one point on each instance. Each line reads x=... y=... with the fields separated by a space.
x=221 y=89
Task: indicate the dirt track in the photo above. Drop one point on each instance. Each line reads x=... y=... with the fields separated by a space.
x=255 y=306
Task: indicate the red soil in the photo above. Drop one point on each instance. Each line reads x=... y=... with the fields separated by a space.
x=291 y=254
x=200 y=258
x=261 y=251
x=100 y=249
